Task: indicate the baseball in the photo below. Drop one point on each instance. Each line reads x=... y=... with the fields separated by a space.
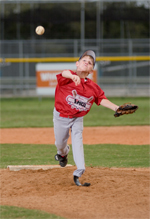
x=40 y=30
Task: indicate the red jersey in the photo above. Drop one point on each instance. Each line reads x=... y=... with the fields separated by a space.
x=76 y=101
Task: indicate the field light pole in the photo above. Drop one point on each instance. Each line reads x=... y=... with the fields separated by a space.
x=2 y=20
x=99 y=26
x=82 y=24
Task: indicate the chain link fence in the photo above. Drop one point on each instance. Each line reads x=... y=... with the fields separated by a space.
x=117 y=78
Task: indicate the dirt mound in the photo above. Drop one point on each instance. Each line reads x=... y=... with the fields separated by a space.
x=113 y=193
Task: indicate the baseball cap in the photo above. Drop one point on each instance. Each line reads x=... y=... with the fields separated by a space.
x=89 y=53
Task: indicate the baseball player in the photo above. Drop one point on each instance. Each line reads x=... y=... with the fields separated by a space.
x=74 y=97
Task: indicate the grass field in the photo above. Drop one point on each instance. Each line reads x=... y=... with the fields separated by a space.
x=105 y=155
x=9 y=212
x=32 y=112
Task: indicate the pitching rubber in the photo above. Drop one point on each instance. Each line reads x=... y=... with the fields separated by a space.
x=34 y=167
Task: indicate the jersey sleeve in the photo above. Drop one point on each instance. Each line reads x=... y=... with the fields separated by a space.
x=62 y=80
x=99 y=95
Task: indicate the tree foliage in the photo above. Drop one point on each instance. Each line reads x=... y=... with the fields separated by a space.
x=63 y=21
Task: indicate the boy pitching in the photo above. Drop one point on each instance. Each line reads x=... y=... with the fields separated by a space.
x=74 y=97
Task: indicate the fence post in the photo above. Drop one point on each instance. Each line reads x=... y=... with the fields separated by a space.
x=82 y=24
x=130 y=64
x=75 y=48
x=27 y=77
x=21 y=66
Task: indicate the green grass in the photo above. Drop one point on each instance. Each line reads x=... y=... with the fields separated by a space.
x=110 y=155
x=95 y=155
x=102 y=116
x=32 y=112
x=10 y=212
x=26 y=154
x=26 y=112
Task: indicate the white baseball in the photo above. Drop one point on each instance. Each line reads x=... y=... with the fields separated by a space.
x=40 y=30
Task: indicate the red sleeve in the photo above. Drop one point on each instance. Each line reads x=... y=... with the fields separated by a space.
x=62 y=80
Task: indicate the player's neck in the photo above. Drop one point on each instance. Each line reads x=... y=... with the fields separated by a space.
x=82 y=74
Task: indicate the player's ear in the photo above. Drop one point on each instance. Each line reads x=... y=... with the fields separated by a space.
x=77 y=63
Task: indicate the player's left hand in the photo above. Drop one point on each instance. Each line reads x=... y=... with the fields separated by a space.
x=126 y=108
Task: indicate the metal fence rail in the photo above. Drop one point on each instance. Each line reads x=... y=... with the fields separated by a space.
x=18 y=78
x=73 y=48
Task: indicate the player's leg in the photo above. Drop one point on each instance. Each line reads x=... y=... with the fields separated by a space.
x=61 y=131
x=77 y=146
x=78 y=152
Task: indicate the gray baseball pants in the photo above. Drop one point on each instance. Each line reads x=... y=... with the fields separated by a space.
x=61 y=130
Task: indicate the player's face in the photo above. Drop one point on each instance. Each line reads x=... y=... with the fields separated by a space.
x=85 y=64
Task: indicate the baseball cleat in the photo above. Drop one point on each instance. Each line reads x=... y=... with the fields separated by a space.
x=62 y=160
x=76 y=180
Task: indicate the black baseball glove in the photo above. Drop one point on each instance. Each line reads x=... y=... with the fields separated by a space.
x=126 y=108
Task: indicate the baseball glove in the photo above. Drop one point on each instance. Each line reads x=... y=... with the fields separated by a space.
x=126 y=108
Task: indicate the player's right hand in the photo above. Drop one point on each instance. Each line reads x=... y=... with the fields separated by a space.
x=76 y=79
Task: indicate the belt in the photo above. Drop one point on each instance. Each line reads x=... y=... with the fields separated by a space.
x=69 y=117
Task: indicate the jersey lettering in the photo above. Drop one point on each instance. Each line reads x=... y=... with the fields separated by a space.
x=79 y=102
